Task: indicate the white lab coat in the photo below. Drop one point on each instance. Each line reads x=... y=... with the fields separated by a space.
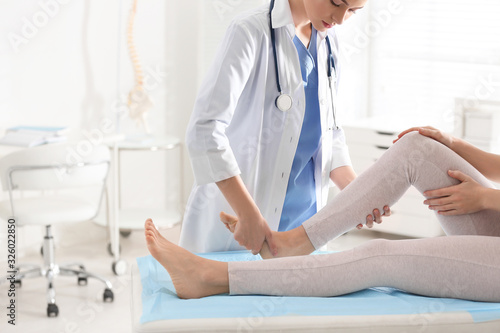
x=236 y=129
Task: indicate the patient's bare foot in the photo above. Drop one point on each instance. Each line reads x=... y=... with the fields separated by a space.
x=289 y=243
x=193 y=276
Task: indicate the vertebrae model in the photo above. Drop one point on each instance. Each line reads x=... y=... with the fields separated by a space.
x=139 y=102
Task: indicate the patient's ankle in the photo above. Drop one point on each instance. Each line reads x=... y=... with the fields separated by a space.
x=293 y=242
x=214 y=276
x=298 y=242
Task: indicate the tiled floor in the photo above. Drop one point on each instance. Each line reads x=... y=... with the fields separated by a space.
x=81 y=308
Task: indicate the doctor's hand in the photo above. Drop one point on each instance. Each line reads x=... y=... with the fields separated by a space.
x=250 y=232
x=465 y=198
x=376 y=217
x=431 y=132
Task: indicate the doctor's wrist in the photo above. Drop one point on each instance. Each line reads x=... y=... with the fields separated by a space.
x=249 y=214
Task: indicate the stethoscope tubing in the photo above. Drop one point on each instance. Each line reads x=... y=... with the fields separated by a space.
x=284 y=101
x=273 y=43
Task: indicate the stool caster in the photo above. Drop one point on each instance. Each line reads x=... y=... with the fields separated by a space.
x=110 y=250
x=82 y=281
x=52 y=310
x=108 y=295
x=125 y=232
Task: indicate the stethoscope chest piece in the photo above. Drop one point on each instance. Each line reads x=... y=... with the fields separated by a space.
x=284 y=102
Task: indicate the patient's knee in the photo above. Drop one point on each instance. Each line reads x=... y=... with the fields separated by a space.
x=412 y=139
x=415 y=144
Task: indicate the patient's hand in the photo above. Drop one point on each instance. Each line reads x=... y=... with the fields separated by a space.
x=465 y=198
x=431 y=132
x=376 y=217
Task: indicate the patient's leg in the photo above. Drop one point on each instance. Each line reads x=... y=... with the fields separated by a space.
x=466 y=267
x=414 y=160
x=193 y=276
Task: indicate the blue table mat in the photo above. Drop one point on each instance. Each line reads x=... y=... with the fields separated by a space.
x=160 y=302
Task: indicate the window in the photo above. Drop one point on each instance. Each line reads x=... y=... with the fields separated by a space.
x=215 y=16
x=421 y=55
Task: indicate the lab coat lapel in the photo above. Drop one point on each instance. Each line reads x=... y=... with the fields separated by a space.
x=323 y=159
x=288 y=60
x=291 y=83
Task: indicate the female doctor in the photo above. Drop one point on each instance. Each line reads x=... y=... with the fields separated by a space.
x=263 y=136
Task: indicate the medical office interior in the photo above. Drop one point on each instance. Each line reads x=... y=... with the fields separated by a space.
x=101 y=73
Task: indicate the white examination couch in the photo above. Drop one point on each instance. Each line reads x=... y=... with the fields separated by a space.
x=156 y=308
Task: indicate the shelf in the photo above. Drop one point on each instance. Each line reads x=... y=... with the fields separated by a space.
x=134 y=219
x=148 y=143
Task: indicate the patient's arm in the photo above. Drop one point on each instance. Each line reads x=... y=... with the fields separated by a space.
x=493 y=200
x=486 y=163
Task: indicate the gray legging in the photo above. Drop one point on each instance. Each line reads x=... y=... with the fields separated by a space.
x=465 y=264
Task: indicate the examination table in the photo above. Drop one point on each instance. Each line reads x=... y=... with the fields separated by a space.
x=156 y=308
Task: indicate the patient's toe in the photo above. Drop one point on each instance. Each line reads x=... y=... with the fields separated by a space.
x=229 y=220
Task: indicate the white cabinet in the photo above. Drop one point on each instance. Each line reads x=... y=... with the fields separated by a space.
x=478 y=122
x=120 y=219
x=132 y=218
x=410 y=217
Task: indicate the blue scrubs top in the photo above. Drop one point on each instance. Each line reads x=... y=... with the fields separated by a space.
x=300 y=199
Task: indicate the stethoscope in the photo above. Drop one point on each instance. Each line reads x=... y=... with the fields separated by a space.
x=284 y=101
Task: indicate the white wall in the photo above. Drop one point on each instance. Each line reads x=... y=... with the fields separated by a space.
x=61 y=66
